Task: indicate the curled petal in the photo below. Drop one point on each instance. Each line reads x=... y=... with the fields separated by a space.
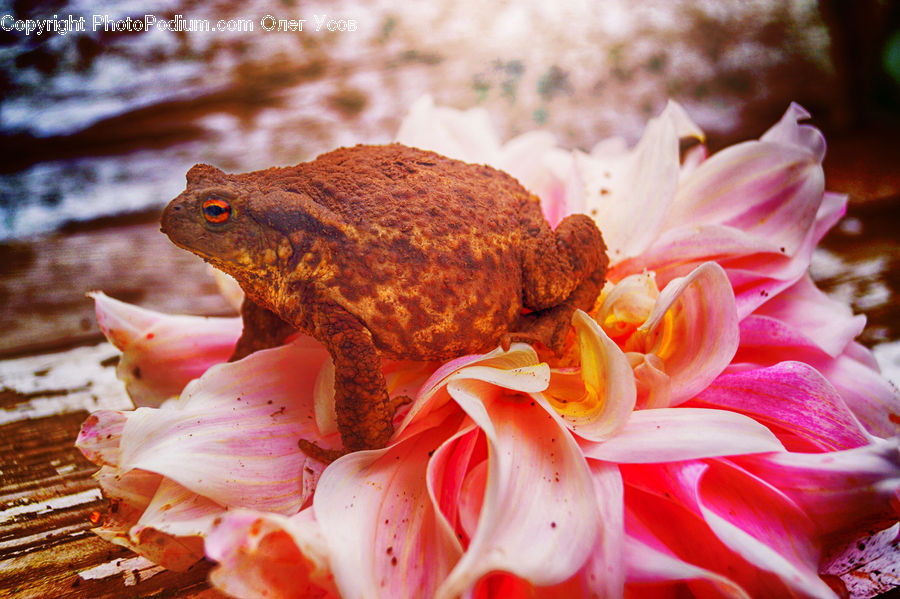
x=645 y=183
x=233 y=435
x=267 y=555
x=383 y=532
x=770 y=188
x=539 y=516
x=791 y=397
x=596 y=400
x=789 y=132
x=161 y=352
x=518 y=369
x=694 y=330
x=677 y=434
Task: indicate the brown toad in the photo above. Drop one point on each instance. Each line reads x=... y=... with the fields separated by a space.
x=388 y=251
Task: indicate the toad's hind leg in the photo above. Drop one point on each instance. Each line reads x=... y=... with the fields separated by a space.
x=563 y=270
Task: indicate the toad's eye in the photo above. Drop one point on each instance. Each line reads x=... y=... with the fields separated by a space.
x=216 y=210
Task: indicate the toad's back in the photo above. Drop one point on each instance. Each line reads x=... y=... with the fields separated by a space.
x=435 y=267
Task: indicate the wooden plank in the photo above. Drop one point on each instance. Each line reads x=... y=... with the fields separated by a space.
x=43 y=282
x=47 y=497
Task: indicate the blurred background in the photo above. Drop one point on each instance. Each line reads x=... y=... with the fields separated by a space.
x=102 y=121
x=106 y=121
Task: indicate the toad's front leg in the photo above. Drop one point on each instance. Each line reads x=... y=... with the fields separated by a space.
x=363 y=409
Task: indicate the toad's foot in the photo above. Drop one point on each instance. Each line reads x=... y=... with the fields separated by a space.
x=320 y=453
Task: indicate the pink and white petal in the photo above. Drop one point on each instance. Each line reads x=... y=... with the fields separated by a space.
x=789 y=132
x=179 y=512
x=667 y=541
x=540 y=512
x=448 y=471
x=644 y=183
x=465 y=135
x=132 y=494
x=678 y=251
x=741 y=529
x=384 y=534
x=766 y=341
x=762 y=525
x=597 y=400
x=770 y=188
x=694 y=330
x=831 y=210
x=652 y=565
x=170 y=531
x=233 y=435
x=519 y=369
x=842 y=491
x=162 y=352
x=545 y=170
x=132 y=491
x=267 y=555
x=790 y=397
x=100 y=436
x=871 y=397
x=828 y=323
x=677 y=434
x=603 y=576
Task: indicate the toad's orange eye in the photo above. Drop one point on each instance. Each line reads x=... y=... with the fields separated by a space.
x=216 y=210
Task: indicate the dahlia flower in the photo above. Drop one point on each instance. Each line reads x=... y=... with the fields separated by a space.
x=711 y=427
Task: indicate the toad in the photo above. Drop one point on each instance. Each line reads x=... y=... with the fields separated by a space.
x=388 y=251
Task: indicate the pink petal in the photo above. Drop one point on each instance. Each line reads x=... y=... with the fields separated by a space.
x=842 y=491
x=792 y=397
x=154 y=517
x=448 y=473
x=676 y=434
x=770 y=188
x=828 y=323
x=540 y=512
x=763 y=526
x=871 y=397
x=693 y=329
x=384 y=535
x=649 y=564
x=604 y=573
x=233 y=435
x=99 y=437
x=873 y=400
x=719 y=518
x=161 y=352
x=645 y=183
x=596 y=401
x=267 y=555
x=789 y=132
x=668 y=540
